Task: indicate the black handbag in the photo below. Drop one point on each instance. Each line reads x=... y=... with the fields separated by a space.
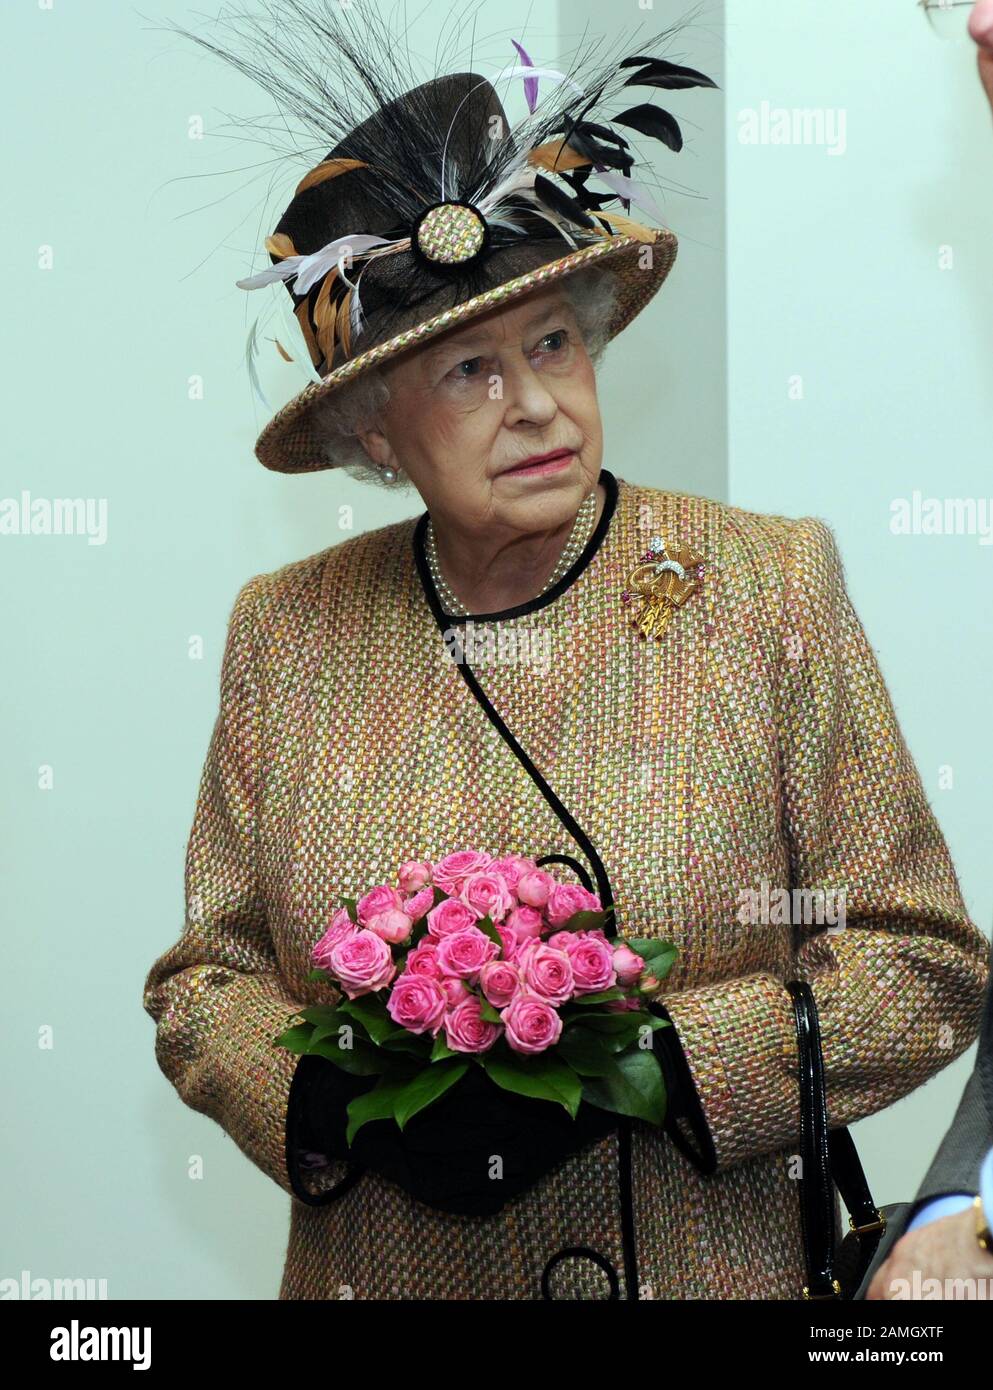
x=829 y=1157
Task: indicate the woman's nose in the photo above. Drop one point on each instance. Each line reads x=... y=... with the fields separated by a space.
x=526 y=395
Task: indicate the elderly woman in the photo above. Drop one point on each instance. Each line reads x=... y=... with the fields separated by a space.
x=499 y=673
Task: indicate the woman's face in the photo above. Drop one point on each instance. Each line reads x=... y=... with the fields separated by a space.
x=470 y=405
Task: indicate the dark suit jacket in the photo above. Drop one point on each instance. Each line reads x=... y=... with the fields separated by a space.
x=955 y=1167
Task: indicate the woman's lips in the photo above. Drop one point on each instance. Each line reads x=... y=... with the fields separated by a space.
x=545 y=466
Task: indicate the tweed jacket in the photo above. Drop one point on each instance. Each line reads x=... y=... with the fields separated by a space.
x=752 y=748
x=968 y=1139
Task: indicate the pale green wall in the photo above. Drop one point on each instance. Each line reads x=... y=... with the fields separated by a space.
x=834 y=277
x=141 y=298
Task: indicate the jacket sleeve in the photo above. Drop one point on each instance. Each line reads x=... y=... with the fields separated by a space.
x=955 y=1167
x=217 y=996
x=899 y=984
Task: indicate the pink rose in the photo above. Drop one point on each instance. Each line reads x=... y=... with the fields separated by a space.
x=526 y=922
x=464 y=953
x=448 y=917
x=487 y=894
x=511 y=941
x=466 y=1030
x=362 y=962
x=627 y=964
x=392 y=925
x=419 y=904
x=546 y=971
x=567 y=898
x=455 y=990
x=499 y=980
x=414 y=874
x=417 y=1003
x=619 y=1006
x=592 y=962
x=534 y=887
x=452 y=871
x=341 y=919
x=341 y=926
x=512 y=866
x=423 y=959
x=532 y=1024
x=377 y=900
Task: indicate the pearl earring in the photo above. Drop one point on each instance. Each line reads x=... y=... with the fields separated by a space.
x=388 y=473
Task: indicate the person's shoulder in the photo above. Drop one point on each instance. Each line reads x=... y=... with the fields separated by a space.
x=754 y=551
x=740 y=535
x=296 y=588
x=767 y=543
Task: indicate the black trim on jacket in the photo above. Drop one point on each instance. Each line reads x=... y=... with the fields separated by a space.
x=445 y=621
x=532 y=605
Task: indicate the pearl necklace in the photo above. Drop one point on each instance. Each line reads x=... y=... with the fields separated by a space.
x=582 y=526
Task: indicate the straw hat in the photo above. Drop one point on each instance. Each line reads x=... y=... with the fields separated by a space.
x=433 y=210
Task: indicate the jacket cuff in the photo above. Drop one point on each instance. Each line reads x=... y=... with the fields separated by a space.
x=748 y=1096
x=685 y=1122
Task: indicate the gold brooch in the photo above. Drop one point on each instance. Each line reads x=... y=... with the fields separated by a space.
x=662 y=581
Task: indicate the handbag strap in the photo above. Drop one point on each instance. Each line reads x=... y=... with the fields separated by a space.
x=827 y=1157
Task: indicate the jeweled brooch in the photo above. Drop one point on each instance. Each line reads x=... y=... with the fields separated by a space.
x=662 y=581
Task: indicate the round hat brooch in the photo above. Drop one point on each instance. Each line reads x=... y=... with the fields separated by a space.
x=449 y=233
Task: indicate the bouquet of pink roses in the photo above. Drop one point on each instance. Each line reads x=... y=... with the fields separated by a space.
x=492 y=962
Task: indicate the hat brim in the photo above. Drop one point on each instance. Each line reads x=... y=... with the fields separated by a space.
x=290 y=442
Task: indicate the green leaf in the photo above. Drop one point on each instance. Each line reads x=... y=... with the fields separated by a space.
x=588 y=1053
x=371 y=1013
x=601 y=998
x=332 y=1027
x=588 y=919
x=360 y=1060
x=640 y=945
x=376 y=1104
x=485 y=924
x=296 y=1039
x=402 y=1040
x=441 y=1048
x=350 y=905
x=634 y=1086
x=620 y=1027
x=543 y=1076
x=657 y=955
x=322 y=1031
x=324 y=1014
x=316 y=974
x=649 y=1020
x=425 y=1087
x=487 y=1012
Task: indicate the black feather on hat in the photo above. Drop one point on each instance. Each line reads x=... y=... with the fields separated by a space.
x=429 y=208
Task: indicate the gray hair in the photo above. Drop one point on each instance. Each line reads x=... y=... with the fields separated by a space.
x=592 y=294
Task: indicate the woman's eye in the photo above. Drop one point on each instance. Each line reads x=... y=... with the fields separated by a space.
x=457 y=374
x=558 y=338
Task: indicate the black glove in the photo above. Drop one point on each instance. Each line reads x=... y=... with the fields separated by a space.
x=684 y=1113
x=444 y=1155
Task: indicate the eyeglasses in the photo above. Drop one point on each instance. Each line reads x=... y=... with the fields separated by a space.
x=949 y=19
